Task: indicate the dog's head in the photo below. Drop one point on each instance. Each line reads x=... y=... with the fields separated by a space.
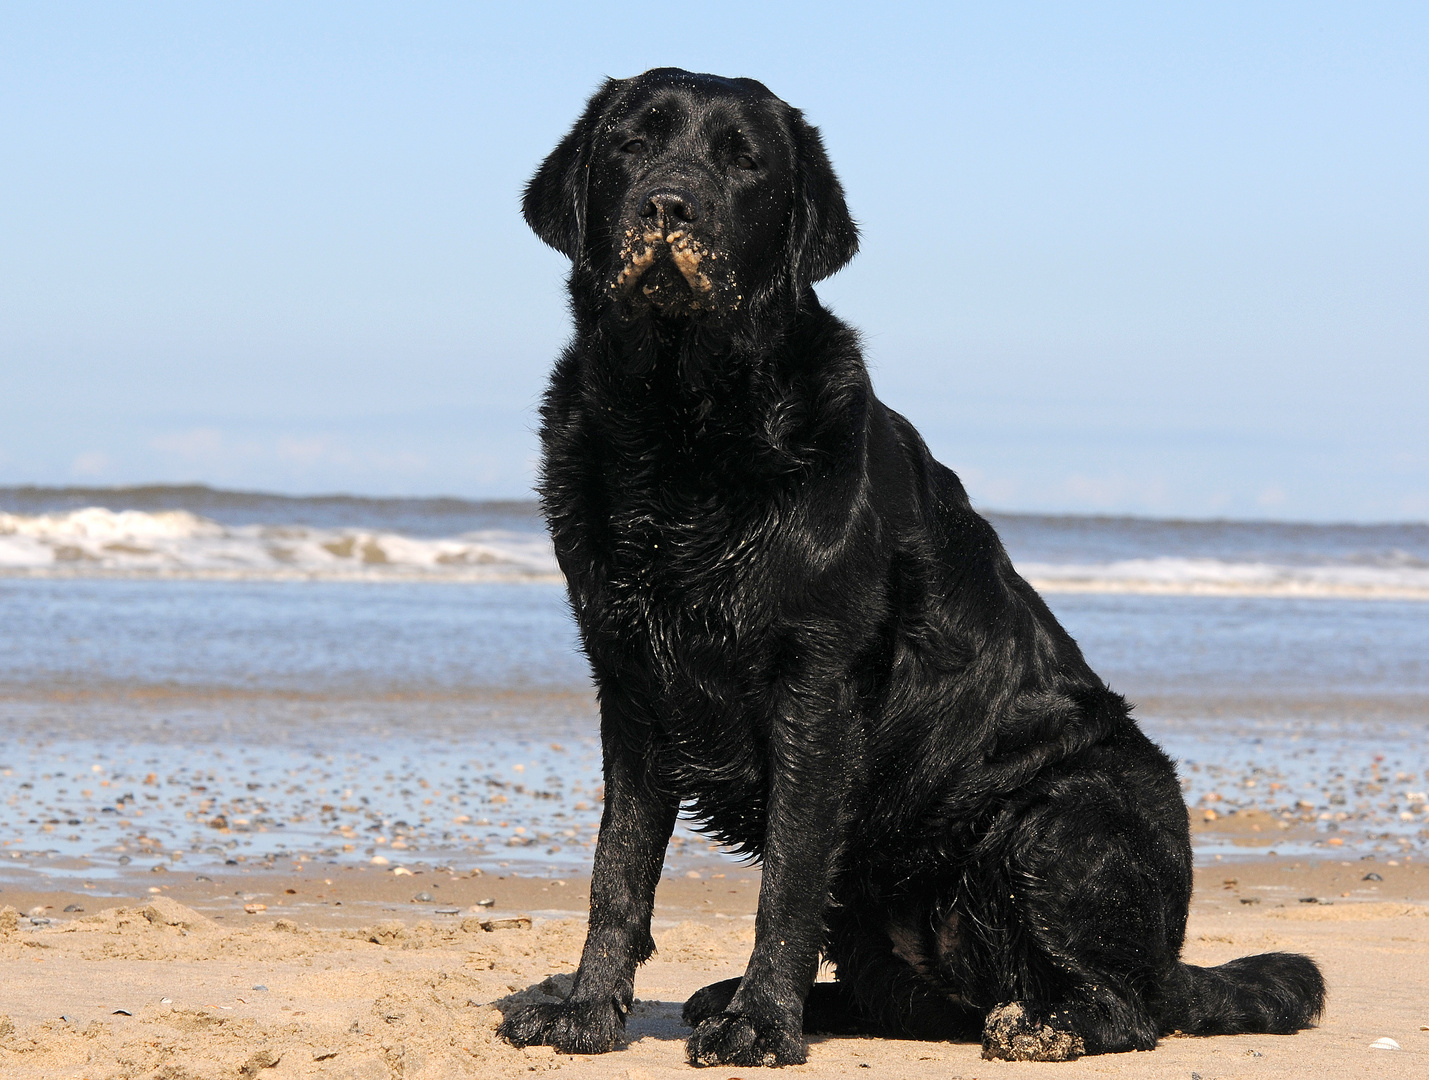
x=685 y=194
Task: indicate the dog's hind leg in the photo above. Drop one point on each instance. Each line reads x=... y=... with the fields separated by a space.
x=1034 y=1031
x=827 y=1009
x=1089 y=898
x=709 y=1001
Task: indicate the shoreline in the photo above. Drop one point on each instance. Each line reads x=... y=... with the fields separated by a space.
x=364 y=977
x=323 y=895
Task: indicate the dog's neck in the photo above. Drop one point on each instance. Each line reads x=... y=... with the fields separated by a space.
x=704 y=347
x=709 y=393
x=678 y=381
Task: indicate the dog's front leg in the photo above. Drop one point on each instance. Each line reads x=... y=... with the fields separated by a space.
x=763 y=1022
x=629 y=854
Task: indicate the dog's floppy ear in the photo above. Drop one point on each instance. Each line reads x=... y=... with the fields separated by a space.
x=824 y=237
x=555 y=199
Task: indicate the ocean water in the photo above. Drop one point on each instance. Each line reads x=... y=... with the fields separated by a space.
x=189 y=677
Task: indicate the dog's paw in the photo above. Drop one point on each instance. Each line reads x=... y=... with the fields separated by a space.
x=735 y=1039
x=709 y=1001
x=1013 y=1033
x=572 y=1028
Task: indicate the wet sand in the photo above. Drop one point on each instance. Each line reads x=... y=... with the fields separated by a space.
x=361 y=972
x=525 y=796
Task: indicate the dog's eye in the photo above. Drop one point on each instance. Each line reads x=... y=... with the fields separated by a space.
x=744 y=161
x=634 y=146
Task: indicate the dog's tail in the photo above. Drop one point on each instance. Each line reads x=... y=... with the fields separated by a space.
x=1273 y=993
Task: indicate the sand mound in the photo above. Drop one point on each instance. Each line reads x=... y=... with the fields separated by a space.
x=162 y=911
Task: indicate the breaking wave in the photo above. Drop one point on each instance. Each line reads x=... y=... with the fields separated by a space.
x=98 y=542
x=1391 y=580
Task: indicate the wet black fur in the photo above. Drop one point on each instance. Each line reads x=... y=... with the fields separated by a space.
x=802 y=634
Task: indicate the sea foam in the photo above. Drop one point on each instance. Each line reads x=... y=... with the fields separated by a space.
x=97 y=542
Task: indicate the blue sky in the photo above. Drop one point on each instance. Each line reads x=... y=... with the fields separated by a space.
x=1164 y=259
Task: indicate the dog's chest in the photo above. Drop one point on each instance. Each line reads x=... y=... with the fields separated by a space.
x=685 y=590
x=677 y=599
x=674 y=539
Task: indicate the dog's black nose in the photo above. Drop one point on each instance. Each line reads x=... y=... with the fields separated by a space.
x=671 y=204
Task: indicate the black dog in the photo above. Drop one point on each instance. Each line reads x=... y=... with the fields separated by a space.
x=803 y=635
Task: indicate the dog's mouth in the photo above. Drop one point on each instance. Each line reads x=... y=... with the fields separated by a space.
x=665 y=268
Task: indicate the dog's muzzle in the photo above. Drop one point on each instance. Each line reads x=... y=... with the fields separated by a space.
x=663 y=240
x=643 y=249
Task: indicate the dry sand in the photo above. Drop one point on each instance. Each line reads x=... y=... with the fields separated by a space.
x=349 y=975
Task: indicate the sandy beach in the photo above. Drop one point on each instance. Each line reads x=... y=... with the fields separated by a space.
x=320 y=971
